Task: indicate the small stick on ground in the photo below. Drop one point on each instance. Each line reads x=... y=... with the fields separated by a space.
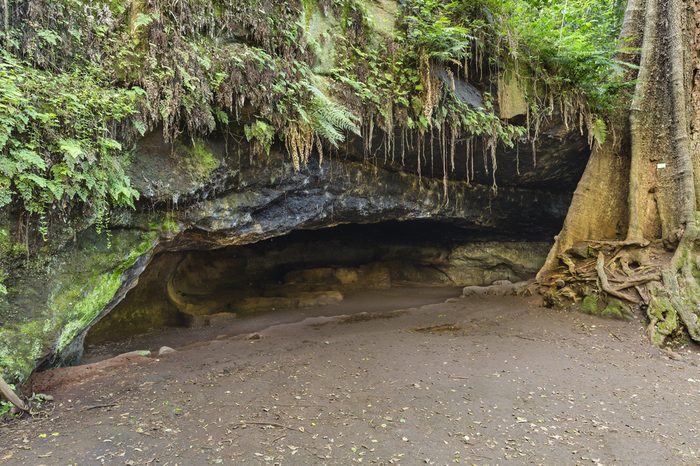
x=273 y=424
x=108 y=405
x=278 y=439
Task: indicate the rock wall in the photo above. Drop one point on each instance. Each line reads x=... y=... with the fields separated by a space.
x=53 y=303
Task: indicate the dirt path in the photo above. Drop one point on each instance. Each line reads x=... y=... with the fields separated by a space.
x=353 y=302
x=500 y=381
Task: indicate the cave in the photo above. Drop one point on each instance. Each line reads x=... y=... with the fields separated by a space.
x=338 y=270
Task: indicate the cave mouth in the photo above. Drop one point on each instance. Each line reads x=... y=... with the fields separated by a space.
x=339 y=270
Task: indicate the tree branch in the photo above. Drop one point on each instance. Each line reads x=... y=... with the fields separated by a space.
x=11 y=396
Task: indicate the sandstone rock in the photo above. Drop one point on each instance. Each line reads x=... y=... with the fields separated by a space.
x=500 y=288
x=165 y=350
x=86 y=278
x=321 y=298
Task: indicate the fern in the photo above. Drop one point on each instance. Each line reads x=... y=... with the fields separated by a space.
x=54 y=149
x=599 y=131
x=327 y=118
x=261 y=134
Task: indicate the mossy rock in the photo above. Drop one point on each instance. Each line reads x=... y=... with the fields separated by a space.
x=63 y=297
x=615 y=310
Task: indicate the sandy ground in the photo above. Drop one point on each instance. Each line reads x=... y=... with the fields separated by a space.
x=489 y=380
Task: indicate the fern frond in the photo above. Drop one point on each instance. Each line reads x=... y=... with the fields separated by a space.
x=328 y=118
x=600 y=131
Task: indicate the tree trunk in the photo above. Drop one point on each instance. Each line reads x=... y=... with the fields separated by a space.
x=6 y=16
x=647 y=183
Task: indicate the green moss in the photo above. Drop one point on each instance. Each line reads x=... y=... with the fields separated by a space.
x=79 y=307
x=310 y=7
x=202 y=159
x=169 y=226
x=590 y=304
x=10 y=253
x=664 y=319
x=614 y=310
x=21 y=345
x=83 y=281
x=197 y=159
x=383 y=14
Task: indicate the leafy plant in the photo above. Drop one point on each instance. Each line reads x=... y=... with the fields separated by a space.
x=55 y=139
x=260 y=133
x=437 y=29
x=328 y=119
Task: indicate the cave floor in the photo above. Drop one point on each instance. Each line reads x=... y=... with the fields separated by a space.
x=492 y=380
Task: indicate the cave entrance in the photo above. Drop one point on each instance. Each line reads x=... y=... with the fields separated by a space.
x=189 y=295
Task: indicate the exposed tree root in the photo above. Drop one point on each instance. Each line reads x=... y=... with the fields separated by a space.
x=643 y=280
x=609 y=278
x=605 y=284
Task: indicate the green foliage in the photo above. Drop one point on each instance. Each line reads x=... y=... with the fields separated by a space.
x=328 y=119
x=56 y=139
x=395 y=81
x=143 y=20
x=6 y=406
x=438 y=28
x=11 y=253
x=600 y=131
x=81 y=81
x=563 y=53
x=261 y=133
x=570 y=45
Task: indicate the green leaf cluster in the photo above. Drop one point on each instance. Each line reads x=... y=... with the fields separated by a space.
x=57 y=139
x=571 y=46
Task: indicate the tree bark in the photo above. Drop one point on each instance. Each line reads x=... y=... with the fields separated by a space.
x=661 y=186
x=6 y=20
x=11 y=396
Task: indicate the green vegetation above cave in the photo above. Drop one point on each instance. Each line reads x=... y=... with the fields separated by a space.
x=82 y=81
